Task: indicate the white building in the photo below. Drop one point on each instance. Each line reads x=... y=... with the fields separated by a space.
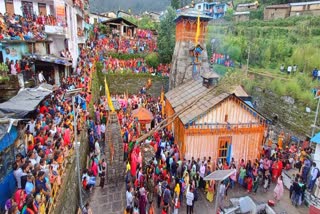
x=70 y=17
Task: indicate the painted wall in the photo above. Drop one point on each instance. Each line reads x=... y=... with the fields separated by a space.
x=235 y=112
x=2 y=7
x=16 y=51
x=17 y=7
x=244 y=145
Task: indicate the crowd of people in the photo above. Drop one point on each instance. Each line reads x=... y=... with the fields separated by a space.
x=16 y=27
x=221 y=59
x=49 y=137
x=138 y=65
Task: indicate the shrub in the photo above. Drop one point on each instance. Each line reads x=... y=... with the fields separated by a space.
x=152 y=60
x=278 y=87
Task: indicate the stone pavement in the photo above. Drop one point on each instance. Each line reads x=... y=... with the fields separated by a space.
x=111 y=200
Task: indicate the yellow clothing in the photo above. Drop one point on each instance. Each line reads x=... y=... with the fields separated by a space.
x=128 y=167
x=177 y=189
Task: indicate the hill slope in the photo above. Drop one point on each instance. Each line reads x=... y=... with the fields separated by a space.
x=136 y=6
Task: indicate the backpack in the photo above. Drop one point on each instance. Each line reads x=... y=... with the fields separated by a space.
x=318 y=174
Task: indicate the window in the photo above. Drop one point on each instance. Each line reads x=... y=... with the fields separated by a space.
x=199 y=7
x=226 y=118
x=27 y=9
x=223 y=148
x=42 y=9
x=9 y=7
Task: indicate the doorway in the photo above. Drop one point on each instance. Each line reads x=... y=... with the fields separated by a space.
x=42 y=9
x=224 y=149
x=9 y=7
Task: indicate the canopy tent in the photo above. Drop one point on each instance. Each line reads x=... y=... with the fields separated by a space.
x=144 y=115
x=219 y=175
x=24 y=102
x=316 y=138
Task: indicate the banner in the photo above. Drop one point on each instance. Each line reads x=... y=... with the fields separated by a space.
x=60 y=12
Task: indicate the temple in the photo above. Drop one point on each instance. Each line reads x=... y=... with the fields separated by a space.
x=190 y=57
x=214 y=122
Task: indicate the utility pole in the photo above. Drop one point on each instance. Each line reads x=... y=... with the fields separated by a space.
x=248 y=58
x=316 y=116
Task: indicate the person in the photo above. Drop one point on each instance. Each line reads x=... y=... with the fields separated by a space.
x=129 y=198
x=222 y=192
x=190 y=198
x=242 y=174
x=317 y=191
x=210 y=192
x=313 y=176
x=278 y=190
x=289 y=69
x=41 y=77
x=176 y=203
x=282 y=68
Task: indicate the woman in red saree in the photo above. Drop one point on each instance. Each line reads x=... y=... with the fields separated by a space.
x=275 y=170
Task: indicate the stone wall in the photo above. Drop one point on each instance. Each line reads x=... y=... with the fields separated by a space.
x=132 y=83
x=68 y=199
x=285 y=113
x=9 y=88
x=182 y=67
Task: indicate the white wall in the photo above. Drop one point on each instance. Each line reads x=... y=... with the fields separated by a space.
x=35 y=8
x=2 y=7
x=17 y=7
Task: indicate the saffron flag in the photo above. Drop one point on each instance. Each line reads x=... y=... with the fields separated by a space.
x=198 y=29
x=110 y=104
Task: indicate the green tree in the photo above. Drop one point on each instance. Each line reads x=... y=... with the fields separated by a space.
x=166 y=37
x=175 y=4
x=152 y=60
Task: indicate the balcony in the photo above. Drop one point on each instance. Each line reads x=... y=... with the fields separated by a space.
x=81 y=39
x=54 y=30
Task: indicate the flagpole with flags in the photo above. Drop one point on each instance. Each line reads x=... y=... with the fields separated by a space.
x=110 y=104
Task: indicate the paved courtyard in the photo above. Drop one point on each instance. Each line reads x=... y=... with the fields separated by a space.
x=111 y=200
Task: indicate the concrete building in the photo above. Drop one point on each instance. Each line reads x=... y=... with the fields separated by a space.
x=121 y=25
x=247 y=7
x=292 y=9
x=305 y=8
x=279 y=11
x=214 y=9
x=97 y=18
x=70 y=21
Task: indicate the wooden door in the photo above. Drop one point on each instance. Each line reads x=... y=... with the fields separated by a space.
x=42 y=9
x=9 y=7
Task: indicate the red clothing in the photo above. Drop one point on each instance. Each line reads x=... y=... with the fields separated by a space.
x=43 y=109
x=249 y=184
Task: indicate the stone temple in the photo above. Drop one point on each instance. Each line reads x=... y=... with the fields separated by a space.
x=190 y=58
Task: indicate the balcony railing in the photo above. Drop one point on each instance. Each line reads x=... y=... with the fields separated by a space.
x=59 y=30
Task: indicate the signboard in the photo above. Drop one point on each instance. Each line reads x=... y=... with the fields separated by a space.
x=60 y=12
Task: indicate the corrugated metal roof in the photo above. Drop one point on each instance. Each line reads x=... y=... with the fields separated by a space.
x=219 y=175
x=304 y=3
x=277 y=6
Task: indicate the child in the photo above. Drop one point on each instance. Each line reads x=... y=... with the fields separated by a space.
x=249 y=184
x=266 y=181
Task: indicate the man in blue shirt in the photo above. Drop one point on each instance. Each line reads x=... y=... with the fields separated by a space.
x=30 y=184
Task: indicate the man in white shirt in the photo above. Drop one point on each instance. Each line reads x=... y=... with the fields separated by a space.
x=129 y=198
x=190 y=198
x=97 y=149
x=313 y=176
x=41 y=77
x=202 y=173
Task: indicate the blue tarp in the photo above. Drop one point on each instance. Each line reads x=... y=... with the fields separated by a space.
x=316 y=138
x=8 y=139
x=249 y=103
x=7 y=186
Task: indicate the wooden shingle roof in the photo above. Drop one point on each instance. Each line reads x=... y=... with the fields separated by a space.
x=185 y=94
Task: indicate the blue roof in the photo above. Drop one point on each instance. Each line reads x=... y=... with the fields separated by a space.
x=316 y=138
x=249 y=103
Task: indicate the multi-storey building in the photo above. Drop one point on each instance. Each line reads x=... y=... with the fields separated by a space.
x=68 y=31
